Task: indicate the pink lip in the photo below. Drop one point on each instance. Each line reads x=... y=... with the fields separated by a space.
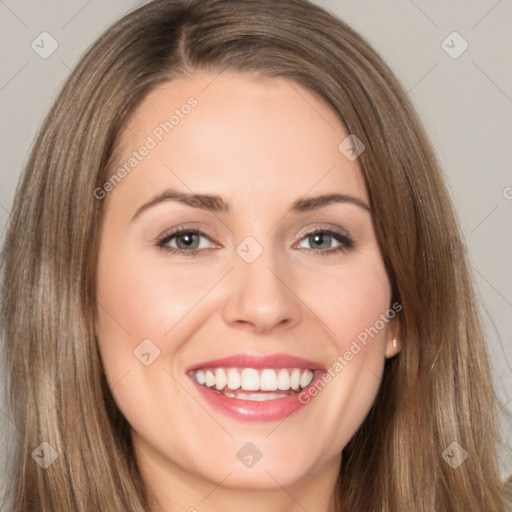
x=255 y=361
x=248 y=410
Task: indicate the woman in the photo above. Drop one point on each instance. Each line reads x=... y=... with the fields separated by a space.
x=241 y=373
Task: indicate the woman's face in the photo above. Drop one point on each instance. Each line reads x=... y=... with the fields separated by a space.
x=207 y=337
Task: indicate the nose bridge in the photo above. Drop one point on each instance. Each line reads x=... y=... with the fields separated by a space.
x=260 y=292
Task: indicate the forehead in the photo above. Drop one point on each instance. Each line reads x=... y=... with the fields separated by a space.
x=238 y=135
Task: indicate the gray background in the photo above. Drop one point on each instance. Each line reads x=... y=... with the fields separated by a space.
x=465 y=104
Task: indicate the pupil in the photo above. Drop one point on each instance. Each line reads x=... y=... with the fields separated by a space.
x=189 y=237
x=318 y=237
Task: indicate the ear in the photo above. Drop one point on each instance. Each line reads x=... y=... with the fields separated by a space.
x=393 y=337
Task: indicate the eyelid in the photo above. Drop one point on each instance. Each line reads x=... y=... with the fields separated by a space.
x=173 y=232
x=195 y=227
x=322 y=226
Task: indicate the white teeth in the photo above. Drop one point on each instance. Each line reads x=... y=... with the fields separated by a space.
x=283 y=380
x=251 y=379
x=201 y=377
x=306 y=378
x=233 y=379
x=294 y=379
x=220 y=379
x=268 y=380
x=210 y=379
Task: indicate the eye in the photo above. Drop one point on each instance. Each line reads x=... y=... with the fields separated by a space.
x=323 y=238
x=187 y=241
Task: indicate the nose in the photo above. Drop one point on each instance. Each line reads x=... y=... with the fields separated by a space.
x=261 y=296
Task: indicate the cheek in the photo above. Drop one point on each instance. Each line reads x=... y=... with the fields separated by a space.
x=139 y=305
x=350 y=299
x=145 y=300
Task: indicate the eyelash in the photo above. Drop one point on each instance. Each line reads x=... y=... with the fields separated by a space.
x=346 y=242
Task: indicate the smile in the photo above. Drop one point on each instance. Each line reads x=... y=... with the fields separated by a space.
x=255 y=388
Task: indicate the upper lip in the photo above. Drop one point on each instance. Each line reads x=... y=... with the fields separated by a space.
x=259 y=361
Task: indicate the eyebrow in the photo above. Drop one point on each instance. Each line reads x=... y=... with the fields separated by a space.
x=214 y=203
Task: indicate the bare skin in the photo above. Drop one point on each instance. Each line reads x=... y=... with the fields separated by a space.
x=261 y=145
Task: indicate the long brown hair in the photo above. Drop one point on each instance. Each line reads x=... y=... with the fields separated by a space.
x=436 y=392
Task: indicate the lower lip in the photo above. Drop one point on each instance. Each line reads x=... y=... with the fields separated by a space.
x=249 y=410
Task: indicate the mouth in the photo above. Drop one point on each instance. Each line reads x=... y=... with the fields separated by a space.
x=256 y=388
